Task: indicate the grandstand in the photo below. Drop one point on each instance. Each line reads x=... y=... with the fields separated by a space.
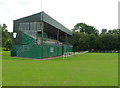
x=39 y=36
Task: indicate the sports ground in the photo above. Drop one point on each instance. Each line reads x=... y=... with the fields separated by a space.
x=90 y=69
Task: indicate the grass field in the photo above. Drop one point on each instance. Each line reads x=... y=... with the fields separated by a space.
x=90 y=69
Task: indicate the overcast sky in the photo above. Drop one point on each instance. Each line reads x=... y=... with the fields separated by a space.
x=98 y=13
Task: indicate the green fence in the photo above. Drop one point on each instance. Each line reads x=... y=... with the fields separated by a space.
x=67 y=48
x=36 y=51
x=29 y=49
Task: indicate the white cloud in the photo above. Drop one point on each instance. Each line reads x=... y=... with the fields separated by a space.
x=98 y=13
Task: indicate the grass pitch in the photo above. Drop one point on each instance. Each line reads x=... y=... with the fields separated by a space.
x=90 y=69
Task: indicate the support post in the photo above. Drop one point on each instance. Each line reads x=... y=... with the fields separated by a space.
x=66 y=38
x=42 y=28
x=42 y=25
x=57 y=36
x=36 y=34
x=42 y=37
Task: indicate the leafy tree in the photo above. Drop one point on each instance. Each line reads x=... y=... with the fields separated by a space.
x=82 y=27
x=110 y=32
x=103 y=31
x=86 y=37
x=80 y=41
x=6 y=39
x=92 y=40
x=107 y=42
x=118 y=43
x=75 y=41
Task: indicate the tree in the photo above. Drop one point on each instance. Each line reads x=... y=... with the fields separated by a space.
x=114 y=31
x=82 y=27
x=6 y=38
x=75 y=41
x=92 y=41
x=107 y=42
x=103 y=31
x=80 y=41
x=86 y=37
x=110 y=32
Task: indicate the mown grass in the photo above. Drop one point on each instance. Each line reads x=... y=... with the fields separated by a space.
x=6 y=53
x=90 y=69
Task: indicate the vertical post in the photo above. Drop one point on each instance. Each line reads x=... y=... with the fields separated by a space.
x=66 y=38
x=42 y=25
x=42 y=37
x=42 y=28
x=57 y=36
x=29 y=25
x=36 y=34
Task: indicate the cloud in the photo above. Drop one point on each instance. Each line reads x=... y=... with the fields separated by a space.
x=98 y=13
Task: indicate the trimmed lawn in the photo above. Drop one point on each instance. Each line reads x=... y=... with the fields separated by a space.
x=90 y=69
x=6 y=53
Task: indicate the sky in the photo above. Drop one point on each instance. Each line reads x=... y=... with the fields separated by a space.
x=98 y=13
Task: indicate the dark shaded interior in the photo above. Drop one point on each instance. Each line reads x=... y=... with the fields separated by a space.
x=52 y=32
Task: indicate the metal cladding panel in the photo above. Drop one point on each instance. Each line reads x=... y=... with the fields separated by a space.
x=46 y=18
x=31 y=18
x=18 y=39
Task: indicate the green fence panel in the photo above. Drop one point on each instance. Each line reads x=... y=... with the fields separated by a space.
x=67 y=48
x=27 y=39
x=34 y=52
x=39 y=52
x=45 y=51
x=27 y=51
x=52 y=50
x=14 y=50
x=59 y=51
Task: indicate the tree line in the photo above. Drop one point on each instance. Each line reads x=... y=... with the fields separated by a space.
x=85 y=37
